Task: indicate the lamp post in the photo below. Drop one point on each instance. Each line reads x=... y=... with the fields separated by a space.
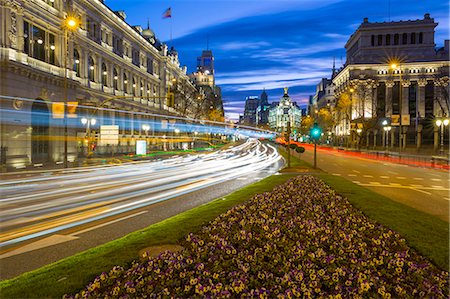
x=88 y=122
x=441 y=123
x=394 y=67
x=70 y=24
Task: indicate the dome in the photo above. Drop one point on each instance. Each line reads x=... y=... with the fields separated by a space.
x=148 y=33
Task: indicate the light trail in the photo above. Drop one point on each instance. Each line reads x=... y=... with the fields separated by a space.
x=39 y=206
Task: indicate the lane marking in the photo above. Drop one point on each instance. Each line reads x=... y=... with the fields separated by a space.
x=395 y=184
x=437 y=186
x=393 y=172
x=384 y=176
x=401 y=178
x=368 y=176
x=418 y=179
x=356 y=171
x=242 y=178
x=351 y=174
x=415 y=189
x=416 y=186
x=356 y=182
x=375 y=183
x=337 y=174
x=436 y=180
x=106 y=223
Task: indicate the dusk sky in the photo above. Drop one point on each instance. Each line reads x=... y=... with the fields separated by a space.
x=271 y=44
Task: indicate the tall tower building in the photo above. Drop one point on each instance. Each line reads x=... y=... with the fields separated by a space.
x=205 y=63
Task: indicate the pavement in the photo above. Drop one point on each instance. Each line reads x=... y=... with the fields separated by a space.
x=421 y=187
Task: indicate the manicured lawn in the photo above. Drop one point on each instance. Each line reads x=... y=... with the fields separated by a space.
x=73 y=273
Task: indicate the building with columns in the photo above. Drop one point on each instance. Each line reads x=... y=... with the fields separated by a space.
x=104 y=61
x=283 y=113
x=393 y=72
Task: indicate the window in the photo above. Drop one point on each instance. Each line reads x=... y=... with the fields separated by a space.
x=373 y=40
x=76 y=62
x=117 y=45
x=404 y=39
x=135 y=56
x=149 y=65
x=104 y=75
x=38 y=43
x=134 y=87
x=380 y=40
x=51 y=52
x=125 y=83
x=420 y=37
x=91 y=72
x=26 y=38
x=388 y=40
x=115 y=79
x=413 y=38
x=396 y=39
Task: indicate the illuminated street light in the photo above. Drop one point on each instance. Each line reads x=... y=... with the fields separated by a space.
x=441 y=123
x=88 y=122
x=177 y=131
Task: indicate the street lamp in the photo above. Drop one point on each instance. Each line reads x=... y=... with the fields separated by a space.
x=441 y=123
x=88 y=122
x=387 y=129
x=70 y=24
x=394 y=66
x=146 y=128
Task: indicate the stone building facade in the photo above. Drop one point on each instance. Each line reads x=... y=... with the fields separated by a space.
x=283 y=112
x=393 y=72
x=109 y=64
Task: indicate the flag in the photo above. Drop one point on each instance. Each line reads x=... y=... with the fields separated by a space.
x=167 y=13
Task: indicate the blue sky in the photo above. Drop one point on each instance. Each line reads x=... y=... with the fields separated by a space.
x=271 y=44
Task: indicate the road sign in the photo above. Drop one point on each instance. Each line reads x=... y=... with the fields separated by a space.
x=58 y=110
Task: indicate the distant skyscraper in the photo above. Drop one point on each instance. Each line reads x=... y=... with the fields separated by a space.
x=262 y=112
x=251 y=104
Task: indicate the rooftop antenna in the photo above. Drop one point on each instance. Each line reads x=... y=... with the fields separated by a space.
x=148 y=23
x=333 y=71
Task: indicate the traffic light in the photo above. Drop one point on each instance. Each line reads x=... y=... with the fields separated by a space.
x=315 y=132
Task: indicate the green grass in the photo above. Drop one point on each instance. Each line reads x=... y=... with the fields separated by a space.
x=74 y=273
x=295 y=162
x=426 y=233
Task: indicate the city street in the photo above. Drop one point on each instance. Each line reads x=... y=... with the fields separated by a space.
x=56 y=214
x=425 y=189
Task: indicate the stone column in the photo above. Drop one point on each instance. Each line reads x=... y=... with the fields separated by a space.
x=405 y=108
x=375 y=132
x=388 y=106
x=421 y=97
x=419 y=137
x=436 y=138
x=393 y=136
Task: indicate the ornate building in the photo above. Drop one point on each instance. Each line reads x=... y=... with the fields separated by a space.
x=204 y=79
x=97 y=60
x=283 y=112
x=393 y=73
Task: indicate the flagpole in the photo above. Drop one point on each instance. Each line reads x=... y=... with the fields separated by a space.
x=171 y=20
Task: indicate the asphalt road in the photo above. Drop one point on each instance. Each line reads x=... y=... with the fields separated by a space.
x=53 y=215
x=425 y=189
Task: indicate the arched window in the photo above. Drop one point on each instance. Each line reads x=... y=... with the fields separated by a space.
x=125 y=83
x=91 y=69
x=115 y=79
x=396 y=39
x=104 y=75
x=404 y=39
x=76 y=62
x=420 y=37
x=372 y=40
x=413 y=38
x=388 y=40
x=134 y=87
x=380 y=40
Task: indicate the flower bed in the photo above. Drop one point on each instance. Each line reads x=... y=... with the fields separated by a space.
x=301 y=239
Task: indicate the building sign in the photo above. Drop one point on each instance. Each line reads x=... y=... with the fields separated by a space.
x=109 y=135
x=395 y=120
x=406 y=120
x=58 y=110
x=141 y=147
x=72 y=109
